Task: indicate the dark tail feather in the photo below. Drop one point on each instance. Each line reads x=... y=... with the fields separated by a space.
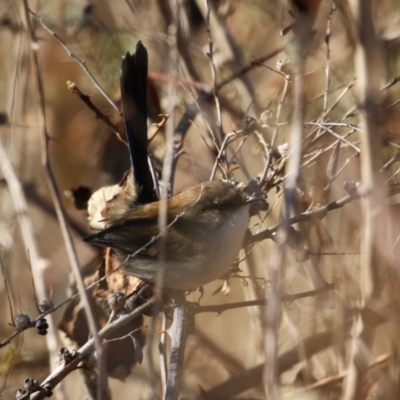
x=134 y=102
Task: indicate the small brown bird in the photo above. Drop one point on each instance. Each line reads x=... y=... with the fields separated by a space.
x=207 y=222
x=207 y=226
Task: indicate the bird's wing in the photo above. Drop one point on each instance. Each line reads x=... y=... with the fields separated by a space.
x=129 y=235
x=184 y=238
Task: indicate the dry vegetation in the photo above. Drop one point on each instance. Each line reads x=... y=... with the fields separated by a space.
x=322 y=140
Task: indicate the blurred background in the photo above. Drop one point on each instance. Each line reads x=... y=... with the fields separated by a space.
x=83 y=151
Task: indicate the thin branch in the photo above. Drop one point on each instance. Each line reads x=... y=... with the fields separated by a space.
x=277 y=125
x=159 y=126
x=210 y=55
x=168 y=172
x=99 y=115
x=272 y=314
x=163 y=354
x=328 y=57
x=395 y=80
x=221 y=151
x=78 y=60
x=336 y=135
x=249 y=66
x=55 y=194
x=220 y=308
x=338 y=99
x=179 y=331
x=269 y=233
x=393 y=104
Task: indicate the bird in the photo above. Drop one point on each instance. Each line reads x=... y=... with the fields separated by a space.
x=207 y=224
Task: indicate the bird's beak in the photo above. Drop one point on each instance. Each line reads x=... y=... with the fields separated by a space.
x=252 y=199
x=257 y=204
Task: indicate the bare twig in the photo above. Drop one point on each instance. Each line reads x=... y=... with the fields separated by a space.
x=276 y=128
x=163 y=354
x=167 y=176
x=395 y=80
x=332 y=107
x=268 y=233
x=179 y=331
x=210 y=55
x=78 y=60
x=393 y=104
x=274 y=270
x=221 y=151
x=328 y=56
x=220 y=308
x=99 y=115
x=159 y=126
x=71 y=251
x=336 y=135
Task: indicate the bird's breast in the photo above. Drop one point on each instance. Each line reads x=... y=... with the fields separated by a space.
x=222 y=248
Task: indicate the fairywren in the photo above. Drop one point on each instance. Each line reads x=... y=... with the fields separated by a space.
x=207 y=222
x=207 y=226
